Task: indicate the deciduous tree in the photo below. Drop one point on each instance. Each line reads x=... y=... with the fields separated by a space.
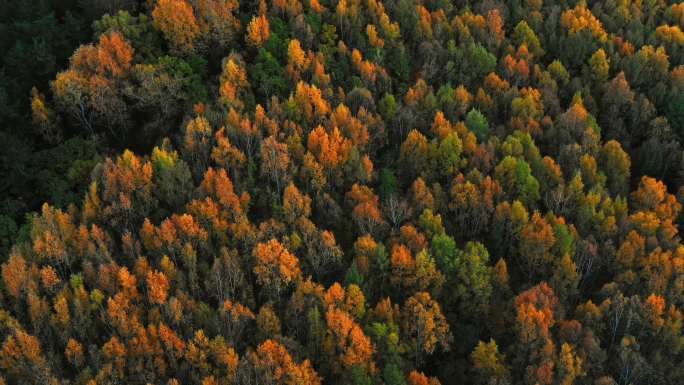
x=276 y=268
x=176 y=20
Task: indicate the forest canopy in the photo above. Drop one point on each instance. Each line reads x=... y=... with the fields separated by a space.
x=362 y=192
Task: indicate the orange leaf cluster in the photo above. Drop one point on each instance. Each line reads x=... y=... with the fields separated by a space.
x=275 y=265
x=176 y=19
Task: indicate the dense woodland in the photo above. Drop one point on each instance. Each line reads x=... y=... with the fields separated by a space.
x=306 y=192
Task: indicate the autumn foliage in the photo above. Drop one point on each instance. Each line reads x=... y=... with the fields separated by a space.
x=352 y=192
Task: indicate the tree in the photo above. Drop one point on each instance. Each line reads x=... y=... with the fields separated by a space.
x=372 y=262
x=570 y=367
x=217 y=22
x=600 y=66
x=516 y=179
x=489 y=363
x=43 y=116
x=536 y=240
x=268 y=323
x=218 y=186
x=227 y=275
x=403 y=267
x=448 y=157
x=652 y=196
x=424 y=326
x=272 y=364
x=419 y=273
x=472 y=202
x=535 y=312
x=313 y=172
x=414 y=155
x=268 y=75
x=322 y=252
x=527 y=110
x=121 y=193
x=421 y=197
x=233 y=82
x=227 y=155
x=417 y=378
x=616 y=164
x=172 y=175
x=477 y=123
x=15 y=275
x=348 y=340
x=649 y=65
x=197 y=143
x=523 y=34
x=584 y=34
x=352 y=126
x=336 y=297
x=292 y=7
x=275 y=267
x=114 y=55
x=617 y=97
x=470 y=278
x=157 y=286
x=535 y=309
x=258 y=31
x=74 y=352
x=331 y=149
x=366 y=212
x=22 y=357
x=91 y=90
x=495 y=28
x=310 y=102
x=236 y=317
x=295 y=204
x=275 y=161
x=176 y=20
x=296 y=57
